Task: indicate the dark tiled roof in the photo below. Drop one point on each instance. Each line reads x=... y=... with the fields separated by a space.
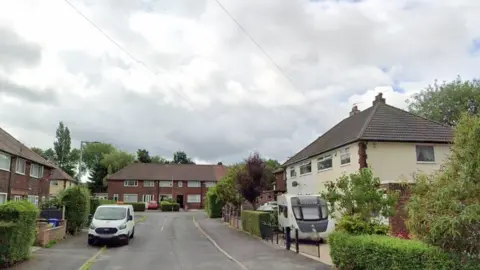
x=381 y=122
x=59 y=174
x=14 y=147
x=150 y=171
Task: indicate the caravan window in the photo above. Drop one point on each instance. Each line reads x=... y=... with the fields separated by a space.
x=310 y=208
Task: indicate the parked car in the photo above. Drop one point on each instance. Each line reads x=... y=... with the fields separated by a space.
x=112 y=222
x=268 y=206
x=152 y=205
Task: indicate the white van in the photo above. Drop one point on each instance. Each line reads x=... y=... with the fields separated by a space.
x=112 y=222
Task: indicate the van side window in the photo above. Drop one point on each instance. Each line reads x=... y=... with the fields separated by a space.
x=285 y=211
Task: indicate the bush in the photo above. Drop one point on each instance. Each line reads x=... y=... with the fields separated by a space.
x=137 y=207
x=213 y=205
x=17 y=231
x=355 y=225
x=166 y=206
x=256 y=223
x=54 y=202
x=379 y=252
x=77 y=203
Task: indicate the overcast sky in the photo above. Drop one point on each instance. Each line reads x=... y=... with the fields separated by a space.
x=194 y=81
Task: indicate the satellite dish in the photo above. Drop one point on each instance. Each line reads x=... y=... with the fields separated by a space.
x=294 y=183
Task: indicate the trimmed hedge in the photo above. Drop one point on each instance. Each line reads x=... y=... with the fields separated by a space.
x=17 y=231
x=213 y=206
x=379 y=252
x=256 y=223
x=169 y=206
x=138 y=207
x=77 y=203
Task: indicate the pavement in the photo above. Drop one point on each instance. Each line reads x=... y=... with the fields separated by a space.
x=172 y=241
x=253 y=253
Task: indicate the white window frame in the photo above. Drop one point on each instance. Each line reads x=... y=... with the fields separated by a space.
x=191 y=200
x=191 y=184
x=151 y=183
x=180 y=183
x=165 y=195
x=322 y=159
x=305 y=165
x=18 y=164
x=210 y=184
x=124 y=195
x=5 y=197
x=344 y=155
x=128 y=183
x=5 y=156
x=35 y=199
x=165 y=183
x=150 y=197
x=115 y=197
x=423 y=146
x=17 y=198
x=292 y=169
x=36 y=171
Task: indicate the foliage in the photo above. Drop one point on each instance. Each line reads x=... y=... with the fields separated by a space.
x=378 y=252
x=97 y=176
x=181 y=157
x=49 y=154
x=358 y=198
x=64 y=157
x=77 y=202
x=143 y=156
x=226 y=188
x=166 y=206
x=54 y=202
x=116 y=161
x=446 y=102
x=137 y=207
x=355 y=225
x=272 y=165
x=159 y=160
x=93 y=154
x=254 y=179
x=256 y=223
x=17 y=231
x=213 y=205
x=444 y=209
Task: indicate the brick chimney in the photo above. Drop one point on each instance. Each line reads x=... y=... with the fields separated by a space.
x=355 y=110
x=378 y=99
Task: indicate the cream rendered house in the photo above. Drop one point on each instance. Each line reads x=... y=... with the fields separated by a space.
x=59 y=181
x=393 y=143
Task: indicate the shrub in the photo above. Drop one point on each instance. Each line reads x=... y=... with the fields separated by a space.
x=137 y=207
x=256 y=223
x=356 y=225
x=444 y=209
x=54 y=202
x=378 y=252
x=77 y=202
x=213 y=204
x=17 y=231
x=169 y=207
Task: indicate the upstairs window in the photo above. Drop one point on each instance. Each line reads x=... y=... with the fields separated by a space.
x=148 y=183
x=425 y=153
x=5 y=161
x=345 y=156
x=36 y=170
x=21 y=166
x=324 y=162
x=130 y=183
x=306 y=168
x=293 y=173
x=165 y=183
x=193 y=184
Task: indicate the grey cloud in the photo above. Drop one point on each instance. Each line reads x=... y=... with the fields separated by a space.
x=46 y=96
x=17 y=52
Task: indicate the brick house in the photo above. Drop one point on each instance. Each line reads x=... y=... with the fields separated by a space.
x=279 y=187
x=23 y=173
x=185 y=183
x=394 y=143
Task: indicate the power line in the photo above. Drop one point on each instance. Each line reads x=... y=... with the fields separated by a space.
x=259 y=47
x=123 y=49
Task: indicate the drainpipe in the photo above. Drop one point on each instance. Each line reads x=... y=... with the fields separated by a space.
x=9 y=189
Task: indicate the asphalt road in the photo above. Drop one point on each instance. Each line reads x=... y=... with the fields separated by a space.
x=165 y=241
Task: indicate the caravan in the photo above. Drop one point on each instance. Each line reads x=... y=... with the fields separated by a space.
x=307 y=213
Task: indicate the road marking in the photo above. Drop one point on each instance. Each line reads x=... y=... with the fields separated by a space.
x=217 y=246
x=89 y=262
x=164 y=221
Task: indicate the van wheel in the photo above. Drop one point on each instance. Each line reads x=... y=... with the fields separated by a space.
x=133 y=233
x=91 y=242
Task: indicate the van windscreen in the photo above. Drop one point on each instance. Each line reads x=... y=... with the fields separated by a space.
x=110 y=213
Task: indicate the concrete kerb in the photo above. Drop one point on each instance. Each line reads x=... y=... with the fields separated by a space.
x=217 y=246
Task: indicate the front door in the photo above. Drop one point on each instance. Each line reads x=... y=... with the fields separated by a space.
x=180 y=200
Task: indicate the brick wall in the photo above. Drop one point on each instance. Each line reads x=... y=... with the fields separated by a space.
x=117 y=187
x=45 y=234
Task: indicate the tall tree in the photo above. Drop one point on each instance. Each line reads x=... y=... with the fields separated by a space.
x=93 y=153
x=253 y=180
x=143 y=156
x=97 y=176
x=50 y=154
x=38 y=151
x=181 y=157
x=159 y=160
x=446 y=102
x=117 y=160
x=63 y=150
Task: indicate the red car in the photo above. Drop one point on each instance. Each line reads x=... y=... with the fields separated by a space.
x=152 y=205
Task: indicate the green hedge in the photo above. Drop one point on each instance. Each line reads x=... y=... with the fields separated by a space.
x=169 y=206
x=213 y=206
x=379 y=252
x=17 y=231
x=138 y=207
x=77 y=203
x=256 y=223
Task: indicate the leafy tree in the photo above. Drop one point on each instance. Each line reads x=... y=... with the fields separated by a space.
x=444 y=209
x=62 y=146
x=181 y=157
x=253 y=180
x=38 y=151
x=93 y=153
x=117 y=160
x=97 y=176
x=159 y=160
x=227 y=189
x=272 y=164
x=50 y=154
x=446 y=102
x=359 y=201
x=143 y=156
